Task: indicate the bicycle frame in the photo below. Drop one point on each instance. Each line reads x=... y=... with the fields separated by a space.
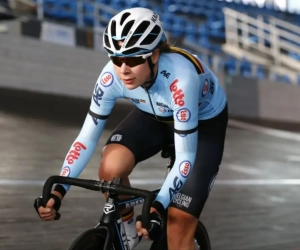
x=111 y=220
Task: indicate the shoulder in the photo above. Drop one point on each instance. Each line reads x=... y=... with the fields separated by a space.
x=175 y=67
x=107 y=76
x=184 y=60
x=108 y=85
x=174 y=61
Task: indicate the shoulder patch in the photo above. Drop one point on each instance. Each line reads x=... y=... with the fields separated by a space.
x=107 y=79
x=183 y=115
x=184 y=168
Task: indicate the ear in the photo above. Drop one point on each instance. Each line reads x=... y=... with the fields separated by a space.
x=155 y=56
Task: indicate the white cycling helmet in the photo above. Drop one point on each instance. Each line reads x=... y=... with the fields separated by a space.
x=140 y=28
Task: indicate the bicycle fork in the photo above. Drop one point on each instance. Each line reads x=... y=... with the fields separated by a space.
x=112 y=223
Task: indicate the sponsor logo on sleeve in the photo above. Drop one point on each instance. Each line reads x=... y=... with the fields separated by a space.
x=208 y=87
x=178 y=95
x=65 y=171
x=184 y=168
x=75 y=152
x=177 y=184
x=212 y=87
x=182 y=200
x=107 y=79
x=212 y=182
x=205 y=88
x=97 y=96
x=95 y=120
x=116 y=137
x=183 y=115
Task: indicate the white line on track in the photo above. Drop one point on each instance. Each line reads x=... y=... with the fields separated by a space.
x=268 y=131
x=244 y=169
x=293 y=158
x=147 y=182
x=240 y=182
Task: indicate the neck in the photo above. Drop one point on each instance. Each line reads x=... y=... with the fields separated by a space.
x=148 y=84
x=155 y=69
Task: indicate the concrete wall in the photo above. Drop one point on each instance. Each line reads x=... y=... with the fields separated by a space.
x=29 y=64
x=253 y=98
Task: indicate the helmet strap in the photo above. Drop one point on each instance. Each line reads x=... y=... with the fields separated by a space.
x=148 y=84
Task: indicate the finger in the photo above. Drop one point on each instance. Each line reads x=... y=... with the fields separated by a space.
x=48 y=217
x=145 y=233
x=152 y=209
x=138 y=226
x=50 y=203
x=43 y=210
x=51 y=213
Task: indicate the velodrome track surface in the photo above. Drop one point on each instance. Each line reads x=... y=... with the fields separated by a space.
x=254 y=204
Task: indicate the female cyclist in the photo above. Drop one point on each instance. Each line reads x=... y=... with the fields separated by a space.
x=178 y=100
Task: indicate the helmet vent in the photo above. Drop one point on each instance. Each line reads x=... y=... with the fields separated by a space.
x=106 y=40
x=113 y=28
x=127 y=28
x=109 y=51
x=125 y=15
x=140 y=30
x=151 y=36
x=116 y=44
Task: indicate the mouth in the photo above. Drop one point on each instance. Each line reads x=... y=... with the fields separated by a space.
x=128 y=81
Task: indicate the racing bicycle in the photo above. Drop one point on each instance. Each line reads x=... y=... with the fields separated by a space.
x=109 y=233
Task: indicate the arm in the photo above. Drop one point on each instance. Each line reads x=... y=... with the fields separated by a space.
x=103 y=99
x=80 y=152
x=185 y=95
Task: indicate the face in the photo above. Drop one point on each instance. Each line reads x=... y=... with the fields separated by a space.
x=133 y=77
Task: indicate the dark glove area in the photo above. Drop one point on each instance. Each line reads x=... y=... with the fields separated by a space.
x=156 y=225
x=38 y=202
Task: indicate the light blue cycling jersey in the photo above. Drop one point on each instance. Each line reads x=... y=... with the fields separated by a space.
x=185 y=91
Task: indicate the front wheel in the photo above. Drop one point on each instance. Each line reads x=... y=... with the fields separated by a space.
x=201 y=238
x=202 y=241
x=92 y=239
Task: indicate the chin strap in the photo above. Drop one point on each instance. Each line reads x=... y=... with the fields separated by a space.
x=148 y=84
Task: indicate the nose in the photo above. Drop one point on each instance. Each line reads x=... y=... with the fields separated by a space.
x=124 y=69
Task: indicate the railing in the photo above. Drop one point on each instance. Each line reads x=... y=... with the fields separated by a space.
x=271 y=37
x=79 y=3
x=240 y=29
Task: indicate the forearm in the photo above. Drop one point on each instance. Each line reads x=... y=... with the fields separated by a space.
x=186 y=148
x=80 y=152
x=58 y=194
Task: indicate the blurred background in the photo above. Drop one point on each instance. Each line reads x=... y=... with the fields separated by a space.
x=50 y=58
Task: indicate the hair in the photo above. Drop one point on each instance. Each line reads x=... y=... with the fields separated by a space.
x=165 y=47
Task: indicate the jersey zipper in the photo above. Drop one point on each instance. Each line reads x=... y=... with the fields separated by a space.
x=152 y=105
